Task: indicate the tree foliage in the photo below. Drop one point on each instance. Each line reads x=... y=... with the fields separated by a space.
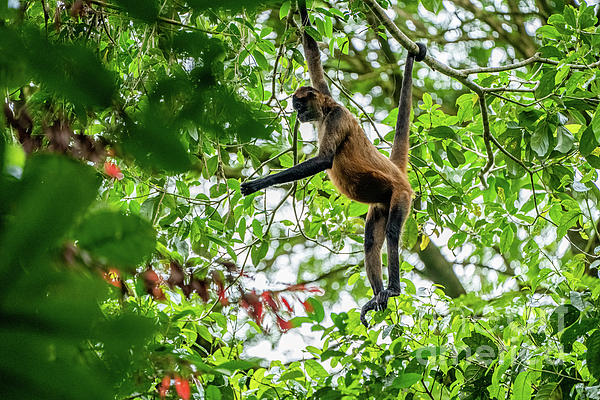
x=132 y=267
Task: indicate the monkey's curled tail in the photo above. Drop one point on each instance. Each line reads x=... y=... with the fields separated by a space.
x=399 y=155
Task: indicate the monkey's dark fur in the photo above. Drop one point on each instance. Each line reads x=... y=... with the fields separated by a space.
x=356 y=167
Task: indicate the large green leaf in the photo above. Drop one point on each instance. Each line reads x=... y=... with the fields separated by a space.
x=117 y=239
x=521 y=388
x=51 y=196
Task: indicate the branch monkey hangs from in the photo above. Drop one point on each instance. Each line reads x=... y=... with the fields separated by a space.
x=356 y=167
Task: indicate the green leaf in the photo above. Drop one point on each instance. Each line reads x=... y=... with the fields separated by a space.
x=548 y=31
x=353 y=278
x=261 y=60
x=114 y=238
x=562 y=317
x=596 y=124
x=540 y=142
x=236 y=365
x=546 y=391
x=318 y=313
x=53 y=192
x=506 y=238
x=212 y=392
x=547 y=84
x=565 y=140
x=482 y=345
x=292 y=375
x=156 y=145
x=410 y=234
x=443 y=132
x=588 y=141
x=257 y=228
x=521 y=388
x=455 y=156
x=315 y=370
x=405 y=380
x=567 y=220
x=147 y=11
x=587 y=17
x=424 y=353
x=432 y=5
x=569 y=14
x=592 y=355
x=356 y=209
x=284 y=9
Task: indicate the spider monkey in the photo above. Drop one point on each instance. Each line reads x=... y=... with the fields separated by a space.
x=356 y=167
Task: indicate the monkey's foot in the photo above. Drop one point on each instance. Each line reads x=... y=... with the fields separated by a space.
x=371 y=305
x=384 y=296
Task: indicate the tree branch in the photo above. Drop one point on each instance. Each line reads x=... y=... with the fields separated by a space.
x=411 y=46
x=533 y=59
x=486 y=138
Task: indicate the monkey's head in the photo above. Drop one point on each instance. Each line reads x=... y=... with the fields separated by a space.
x=308 y=102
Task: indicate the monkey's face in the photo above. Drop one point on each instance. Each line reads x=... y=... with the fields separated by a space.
x=306 y=101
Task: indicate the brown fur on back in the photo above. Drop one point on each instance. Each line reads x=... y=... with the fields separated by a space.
x=359 y=170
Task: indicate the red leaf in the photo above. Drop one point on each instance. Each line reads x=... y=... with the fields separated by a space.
x=151 y=281
x=177 y=275
x=158 y=294
x=113 y=276
x=258 y=311
x=287 y=304
x=113 y=171
x=251 y=302
x=308 y=307
x=268 y=298
x=150 y=277
x=200 y=287
x=300 y=287
x=296 y=287
x=182 y=387
x=283 y=324
x=164 y=386
x=223 y=297
x=315 y=289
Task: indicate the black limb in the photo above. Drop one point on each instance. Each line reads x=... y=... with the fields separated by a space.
x=370 y=305
x=300 y=171
x=394 y=227
x=422 y=52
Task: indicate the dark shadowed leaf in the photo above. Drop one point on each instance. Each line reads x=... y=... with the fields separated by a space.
x=455 y=156
x=592 y=357
x=146 y=10
x=156 y=145
x=547 y=84
x=562 y=317
x=588 y=142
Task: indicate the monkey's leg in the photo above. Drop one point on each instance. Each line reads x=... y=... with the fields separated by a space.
x=399 y=209
x=374 y=237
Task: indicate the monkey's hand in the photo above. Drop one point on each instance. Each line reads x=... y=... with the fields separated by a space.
x=384 y=296
x=370 y=305
x=251 y=187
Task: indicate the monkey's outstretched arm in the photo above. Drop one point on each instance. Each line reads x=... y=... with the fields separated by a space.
x=302 y=170
x=311 y=53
